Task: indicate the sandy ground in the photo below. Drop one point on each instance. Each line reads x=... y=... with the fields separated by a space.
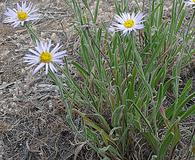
x=32 y=116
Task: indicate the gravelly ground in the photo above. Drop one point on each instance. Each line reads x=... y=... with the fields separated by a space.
x=32 y=117
x=32 y=120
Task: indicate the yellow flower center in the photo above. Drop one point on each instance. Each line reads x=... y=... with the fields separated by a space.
x=193 y=1
x=129 y=23
x=22 y=16
x=45 y=57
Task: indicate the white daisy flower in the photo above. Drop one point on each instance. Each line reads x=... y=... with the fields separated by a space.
x=22 y=14
x=44 y=56
x=190 y=2
x=127 y=23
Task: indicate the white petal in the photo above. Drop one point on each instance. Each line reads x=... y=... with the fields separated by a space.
x=139 y=26
x=15 y=24
x=59 y=61
x=18 y=7
x=38 y=68
x=10 y=12
x=53 y=69
x=34 y=52
x=31 y=57
x=39 y=48
x=46 y=68
x=49 y=46
x=56 y=48
x=59 y=54
x=42 y=46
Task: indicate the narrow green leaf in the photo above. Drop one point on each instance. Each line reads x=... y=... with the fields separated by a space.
x=164 y=147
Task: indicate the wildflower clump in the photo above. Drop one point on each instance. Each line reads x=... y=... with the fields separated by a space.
x=124 y=81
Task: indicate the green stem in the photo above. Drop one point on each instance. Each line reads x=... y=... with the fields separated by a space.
x=32 y=33
x=190 y=23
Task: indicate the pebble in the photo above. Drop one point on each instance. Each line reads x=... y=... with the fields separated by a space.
x=55 y=38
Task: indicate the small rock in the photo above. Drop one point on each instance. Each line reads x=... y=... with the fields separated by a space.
x=54 y=38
